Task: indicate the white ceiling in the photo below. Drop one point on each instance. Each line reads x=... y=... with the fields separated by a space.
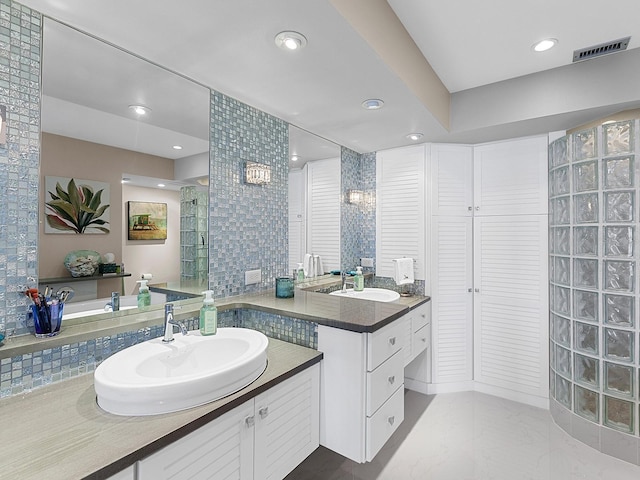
x=474 y=47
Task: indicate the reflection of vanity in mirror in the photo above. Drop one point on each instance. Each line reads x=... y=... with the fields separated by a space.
x=314 y=199
x=89 y=132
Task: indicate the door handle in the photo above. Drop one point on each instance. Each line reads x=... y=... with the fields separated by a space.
x=392 y=341
x=264 y=412
x=391 y=420
x=250 y=421
x=392 y=379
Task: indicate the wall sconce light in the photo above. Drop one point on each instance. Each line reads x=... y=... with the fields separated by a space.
x=257 y=173
x=355 y=196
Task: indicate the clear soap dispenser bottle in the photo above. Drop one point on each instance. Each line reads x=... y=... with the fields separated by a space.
x=358 y=280
x=299 y=274
x=208 y=315
x=144 y=297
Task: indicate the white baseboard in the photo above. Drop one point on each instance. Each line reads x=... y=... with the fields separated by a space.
x=473 y=386
x=416 y=385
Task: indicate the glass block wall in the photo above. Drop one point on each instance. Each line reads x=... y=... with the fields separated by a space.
x=594 y=290
x=194 y=234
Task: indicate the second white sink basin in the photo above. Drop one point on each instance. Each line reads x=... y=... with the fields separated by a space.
x=375 y=294
x=154 y=377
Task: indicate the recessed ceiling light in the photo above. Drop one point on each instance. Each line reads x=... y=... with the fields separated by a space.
x=544 y=45
x=140 y=109
x=372 y=104
x=290 y=40
x=415 y=136
x=294 y=158
x=177 y=147
x=125 y=180
x=161 y=185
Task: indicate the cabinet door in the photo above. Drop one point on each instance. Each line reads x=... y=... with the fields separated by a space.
x=220 y=450
x=128 y=473
x=452 y=179
x=400 y=212
x=452 y=301
x=287 y=425
x=510 y=177
x=511 y=303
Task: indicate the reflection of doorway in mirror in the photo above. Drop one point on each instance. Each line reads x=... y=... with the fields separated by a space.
x=3 y=125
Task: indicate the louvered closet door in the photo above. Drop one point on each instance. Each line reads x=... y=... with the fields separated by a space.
x=323 y=211
x=452 y=304
x=452 y=174
x=511 y=306
x=400 y=212
x=510 y=178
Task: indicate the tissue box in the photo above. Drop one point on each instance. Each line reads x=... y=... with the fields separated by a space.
x=107 y=268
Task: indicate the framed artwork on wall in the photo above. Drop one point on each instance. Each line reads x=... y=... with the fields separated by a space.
x=76 y=206
x=147 y=220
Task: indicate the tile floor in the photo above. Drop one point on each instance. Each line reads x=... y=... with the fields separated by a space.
x=472 y=436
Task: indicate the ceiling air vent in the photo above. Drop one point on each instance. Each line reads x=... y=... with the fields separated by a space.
x=602 y=49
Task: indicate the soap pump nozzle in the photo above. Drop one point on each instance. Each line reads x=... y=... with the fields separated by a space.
x=208 y=297
x=143 y=285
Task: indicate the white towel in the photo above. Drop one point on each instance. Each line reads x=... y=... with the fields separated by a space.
x=403 y=271
x=307 y=265
x=317 y=263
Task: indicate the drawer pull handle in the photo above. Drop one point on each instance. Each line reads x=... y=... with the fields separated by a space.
x=392 y=341
x=250 y=421
x=392 y=420
x=392 y=379
x=423 y=315
x=264 y=412
x=424 y=340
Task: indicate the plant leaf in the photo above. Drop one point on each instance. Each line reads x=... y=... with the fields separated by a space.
x=61 y=193
x=64 y=210
x=57 y=223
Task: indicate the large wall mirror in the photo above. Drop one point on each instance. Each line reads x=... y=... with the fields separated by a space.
x=314 y=199
x=91 y=132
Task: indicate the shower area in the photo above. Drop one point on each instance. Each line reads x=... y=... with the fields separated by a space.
x=594 y=290
x=194 y=233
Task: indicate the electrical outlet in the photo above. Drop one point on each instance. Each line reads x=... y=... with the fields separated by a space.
x=252 y=276
x=366 y=262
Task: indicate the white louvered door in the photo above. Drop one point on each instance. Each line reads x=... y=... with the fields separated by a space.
x=323 y=211
x=452 y=174
x=297 y=215
x=510 y=178
x=511 y=303
x=400 y=212
x=452 y=302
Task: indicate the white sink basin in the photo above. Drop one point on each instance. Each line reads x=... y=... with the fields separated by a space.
x=375 y=294
x=154 y=377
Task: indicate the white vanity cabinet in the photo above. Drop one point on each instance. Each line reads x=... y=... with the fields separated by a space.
x=128 y=473
x=264 y=438
x=362 y=394
x=417 y=332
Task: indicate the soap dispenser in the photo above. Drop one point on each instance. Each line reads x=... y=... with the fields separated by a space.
x=144 y=297
x=358 y=280
x=299 y=274
x=208 y=315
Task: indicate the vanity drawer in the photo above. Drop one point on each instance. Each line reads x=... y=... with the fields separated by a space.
x=384 y=343
x=384 y=381
x=421 y=316
x=384 y=422
x=421 y=340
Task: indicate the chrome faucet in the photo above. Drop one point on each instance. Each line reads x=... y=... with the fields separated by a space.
x=114 y=304
x=169 y=322
x=345 y=282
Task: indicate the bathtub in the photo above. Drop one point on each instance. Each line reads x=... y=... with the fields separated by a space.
x=97 y=306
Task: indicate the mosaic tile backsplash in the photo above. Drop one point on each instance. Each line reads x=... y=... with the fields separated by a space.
x=248 y=224
x=594 y=290
x=20 y=49
x=24 y=373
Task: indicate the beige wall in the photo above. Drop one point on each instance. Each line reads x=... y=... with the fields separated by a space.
x=67 y=157
x=161 y=258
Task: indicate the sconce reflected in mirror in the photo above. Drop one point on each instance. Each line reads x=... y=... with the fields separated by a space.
x=355 y=196
x=257 y=173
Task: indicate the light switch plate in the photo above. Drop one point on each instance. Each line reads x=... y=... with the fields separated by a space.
x=252 y=276
x=366 y=262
